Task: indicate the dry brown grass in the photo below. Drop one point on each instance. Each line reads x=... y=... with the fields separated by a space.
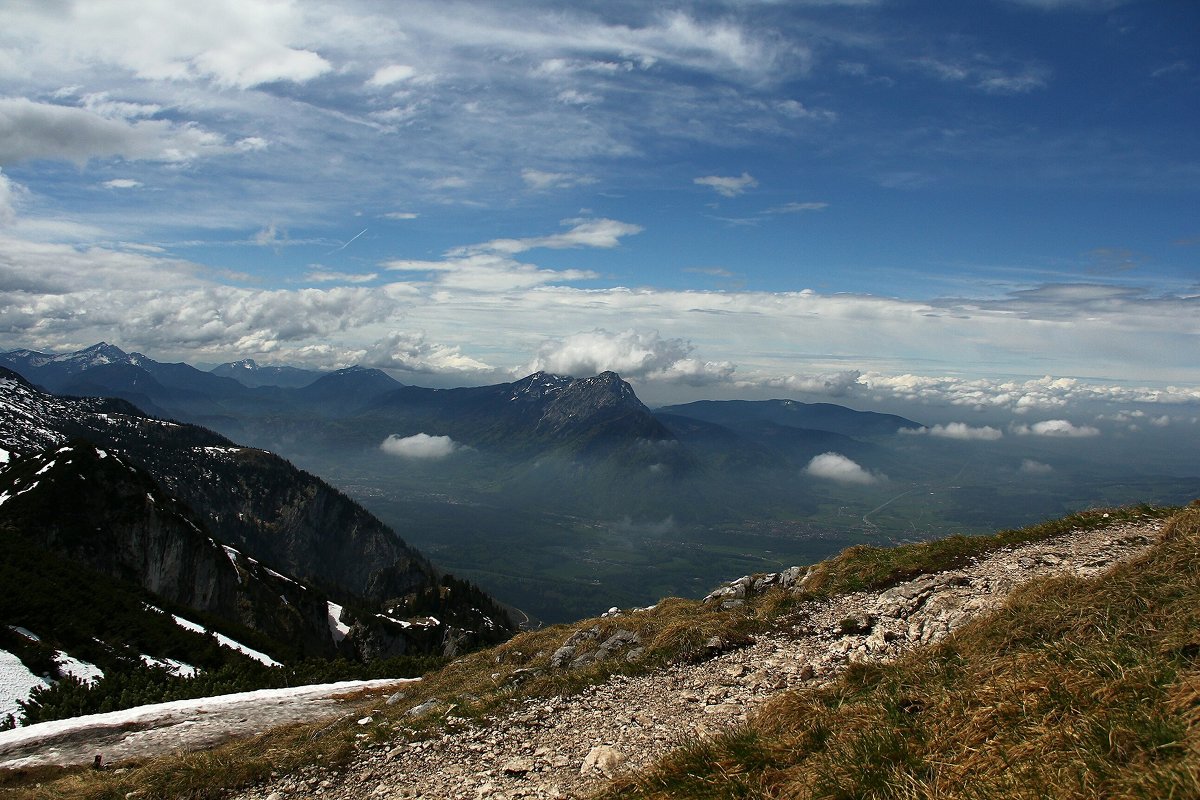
x=1074 y=689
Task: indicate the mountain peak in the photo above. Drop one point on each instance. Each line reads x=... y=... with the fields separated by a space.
x=99 y=353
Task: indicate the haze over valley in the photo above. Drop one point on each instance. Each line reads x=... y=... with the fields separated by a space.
x=565 y=496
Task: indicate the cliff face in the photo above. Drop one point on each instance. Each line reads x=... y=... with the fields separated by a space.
x=89 y=506
x=249 y=498
x=292 y=520
x=186 y=514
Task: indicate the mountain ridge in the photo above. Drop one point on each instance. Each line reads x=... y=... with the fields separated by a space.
x=198 y=521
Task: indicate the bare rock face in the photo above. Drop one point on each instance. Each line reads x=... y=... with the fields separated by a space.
x=92 y=507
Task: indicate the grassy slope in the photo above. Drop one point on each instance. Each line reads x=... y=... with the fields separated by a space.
x=1075 y=689
x=755 y=761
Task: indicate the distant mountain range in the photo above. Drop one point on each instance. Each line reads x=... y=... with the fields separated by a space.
x=358 y=407
x=532 y=457
x=249 y=373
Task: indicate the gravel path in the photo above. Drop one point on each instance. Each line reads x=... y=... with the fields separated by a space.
x=565 y=747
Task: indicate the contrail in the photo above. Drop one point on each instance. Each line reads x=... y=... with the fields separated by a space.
x=347 y=244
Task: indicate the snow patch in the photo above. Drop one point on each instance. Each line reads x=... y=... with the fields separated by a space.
x=179 y=669
x=225 y=641
x=76 y=668
x=275 y=574
x=337 y=628
x=28 y=634
x=16 y=683
x=158 y=712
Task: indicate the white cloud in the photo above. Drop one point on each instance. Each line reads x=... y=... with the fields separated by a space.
x=413 y=353
x=572 y=97
x=268 y=236
x=794 y=109
x=1031 y=467
x=727 y=186
x=420 y=446
x=538 y=180
x=958 y=430
x=401 y=215
x=836 y=467
x=251 y=144
x=327 y=276
x=391 y=74
x=122 y=183
x=33 y=130
x=1057 y=428
x=233 y=43
x=632 y=354
x=601 y=233
x=837 y=384
x=487 y=273
x=10 y=193
x=985 y=76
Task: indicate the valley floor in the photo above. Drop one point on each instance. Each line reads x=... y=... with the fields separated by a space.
x=566 y=747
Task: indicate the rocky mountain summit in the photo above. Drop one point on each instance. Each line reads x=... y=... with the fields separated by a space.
x=569 y=744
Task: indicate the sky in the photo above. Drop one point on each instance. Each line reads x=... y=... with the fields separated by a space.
x=991 y=205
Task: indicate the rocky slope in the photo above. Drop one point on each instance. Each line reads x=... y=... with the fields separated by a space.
x=566 y=746
x=211 y=526
x=89 y=506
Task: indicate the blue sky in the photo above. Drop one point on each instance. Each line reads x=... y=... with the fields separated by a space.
x=989 y=205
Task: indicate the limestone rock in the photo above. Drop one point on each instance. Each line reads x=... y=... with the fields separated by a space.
x=603 y=759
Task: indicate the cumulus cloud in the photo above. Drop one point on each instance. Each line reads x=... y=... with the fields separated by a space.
x=391 y=74
x=401 y=215
x=727 y=186
x=411 y=352
x=232 y=43
x=794 y=109
x=1031 y=467
x=33 y=130
x=122 y=183
x=837 y=384
x=1056 y=428
x=958 y=430
x=420 y=446
x=633 y=354
x=836 y=467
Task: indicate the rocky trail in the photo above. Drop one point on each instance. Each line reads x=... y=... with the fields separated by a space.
x=565 y=747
